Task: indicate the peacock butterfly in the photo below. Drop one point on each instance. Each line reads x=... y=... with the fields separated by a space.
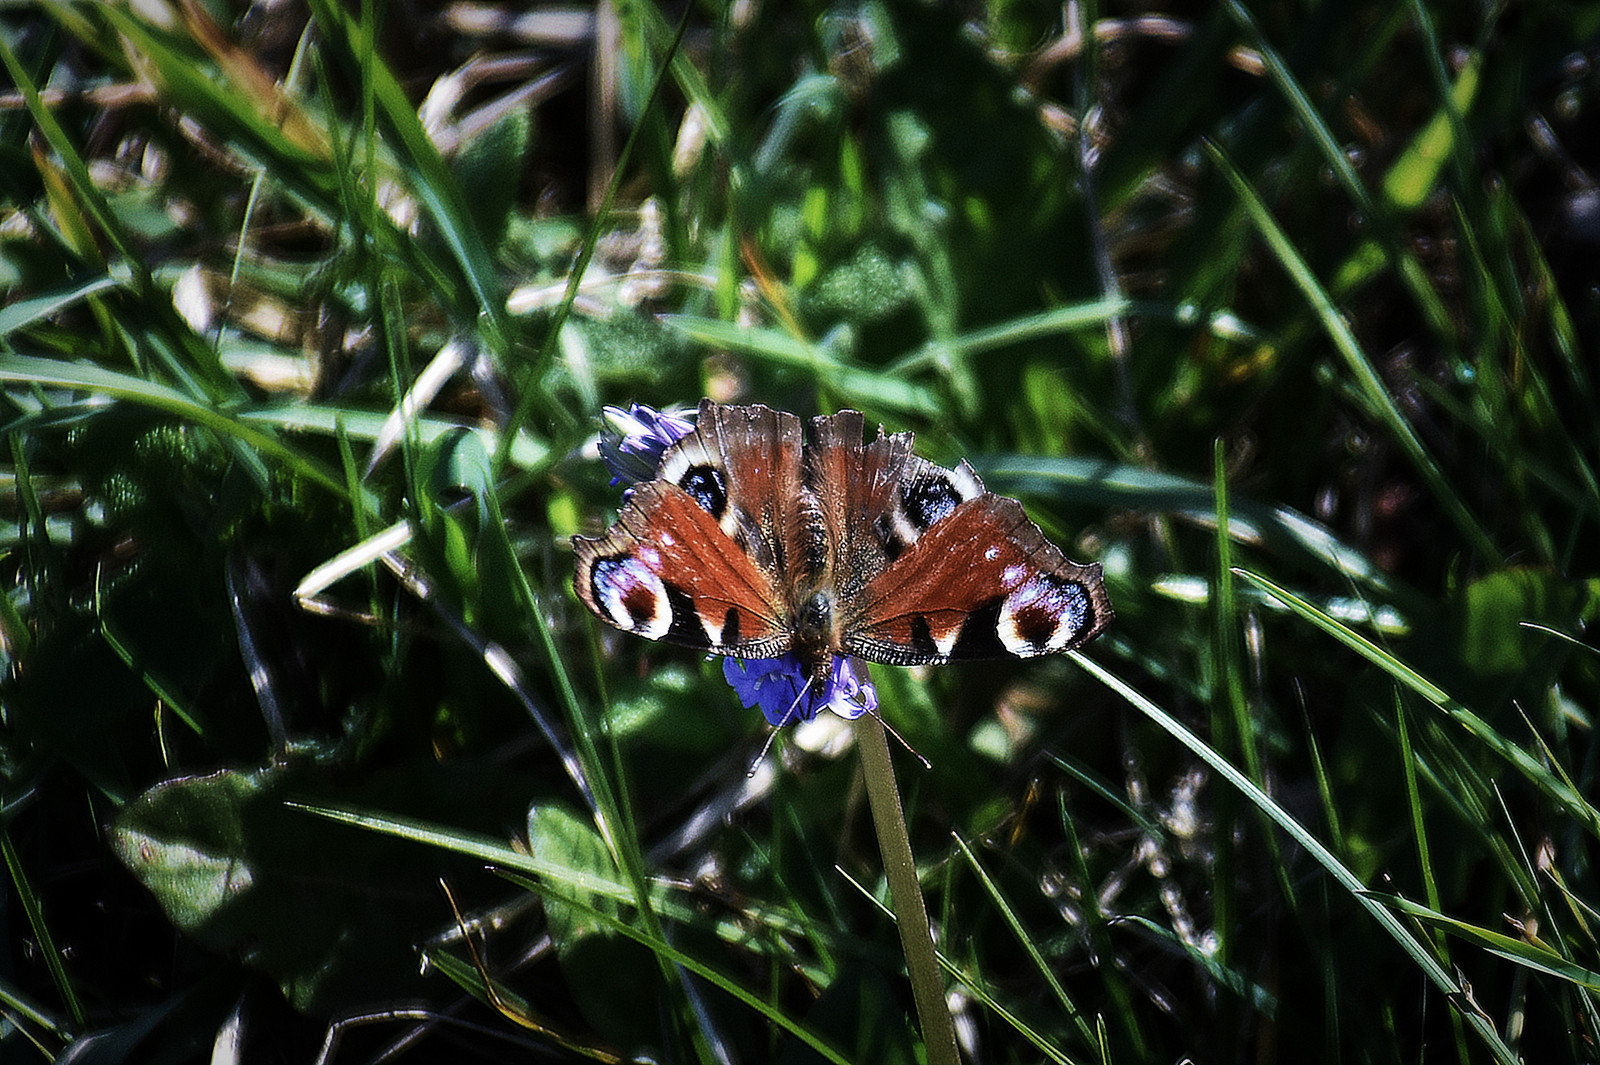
x=753 y=541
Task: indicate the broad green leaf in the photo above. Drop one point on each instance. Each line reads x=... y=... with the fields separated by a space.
x=293 y=898
x=1494 y=608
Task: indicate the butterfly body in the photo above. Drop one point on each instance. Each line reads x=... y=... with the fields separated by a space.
x=753 y=541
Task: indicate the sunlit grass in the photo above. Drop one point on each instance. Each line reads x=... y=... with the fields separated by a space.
x=305 y=333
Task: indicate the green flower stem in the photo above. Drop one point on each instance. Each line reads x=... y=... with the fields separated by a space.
x=927 y=984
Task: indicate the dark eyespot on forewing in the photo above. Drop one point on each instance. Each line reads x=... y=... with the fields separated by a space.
x=707 y=487
x=925 y=496
x=928 y=501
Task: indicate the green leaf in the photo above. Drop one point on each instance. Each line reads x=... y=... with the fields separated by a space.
x=1494 y=641
x=1416 y=171
x=615 y=981
x=488 y=169
x=331 y=915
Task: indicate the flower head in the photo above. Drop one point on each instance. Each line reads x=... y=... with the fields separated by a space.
x=640 y=436
x=779 y=686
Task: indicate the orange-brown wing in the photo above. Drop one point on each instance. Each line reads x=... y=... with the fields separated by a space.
x=742 y=465
x=855 y=486
x=668 y=570
x=980 y=581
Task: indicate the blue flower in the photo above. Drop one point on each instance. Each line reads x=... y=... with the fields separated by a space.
x=778 y=687
x=641 y=435
x=632 y=453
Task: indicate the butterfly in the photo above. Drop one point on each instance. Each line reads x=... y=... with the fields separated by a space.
x=753 y=540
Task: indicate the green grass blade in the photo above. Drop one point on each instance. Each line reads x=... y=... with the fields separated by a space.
x=1024 y=940
x=435 y=187
x=1331 y=154
x=580 y=266
x=1104 y=484
x=571 y=886
x=31 y=908
x=24 y=369
x=1402 y=936
x=886 y=391
x=1533 y=956
x=1557 y=790
x=35 y=310
x=980 y=990
x=1369 y=385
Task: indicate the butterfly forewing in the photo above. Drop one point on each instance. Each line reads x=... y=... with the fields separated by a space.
x=742 y=465
x=668 y=571
x=980 y=582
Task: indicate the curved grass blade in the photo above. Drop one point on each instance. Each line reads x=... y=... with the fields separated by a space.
x=435 y=187
x=1104 y=484
x=516 y=1009
x=1024 y=940
x=87 y=193
x=1518 y=951
x=29 y=899
x=1363 y=261
x=86 y=377
x=1380 y=404
x=974 y=983
x=887 y=391
x=585 y=255
x=526 y=451
x=1402 y=936
x=38 y=309
x=1559 y=792
x=1260 y=999
x=582 y=883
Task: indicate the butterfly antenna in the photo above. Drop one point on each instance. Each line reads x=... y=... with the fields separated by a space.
x=773 y=735
x=755 y=763
x=909 y=749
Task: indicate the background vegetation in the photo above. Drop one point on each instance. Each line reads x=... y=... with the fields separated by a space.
x=1285 y=312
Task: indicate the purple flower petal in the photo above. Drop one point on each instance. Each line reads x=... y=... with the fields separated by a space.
x=639 y=437
x=778 y=687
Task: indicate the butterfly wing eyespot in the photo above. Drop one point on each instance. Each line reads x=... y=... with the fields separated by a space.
x=1045 y=612
x=625 y=591
x=926 y=495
